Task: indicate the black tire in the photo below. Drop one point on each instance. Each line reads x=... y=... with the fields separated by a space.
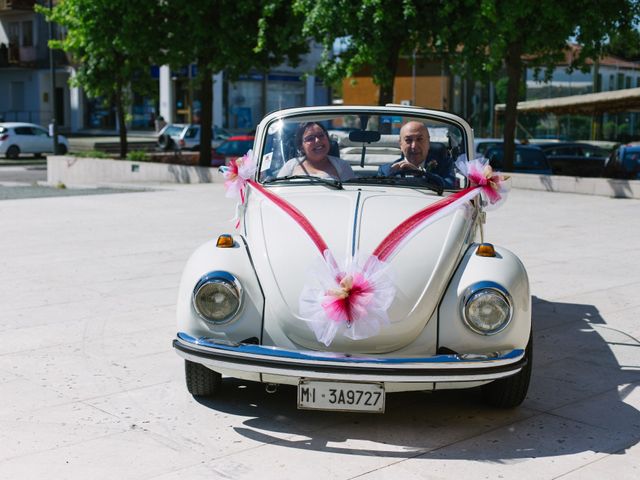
x=62 y=149
x=511 y=391
x=13 y=152
x=201 y=381
x=165 y=142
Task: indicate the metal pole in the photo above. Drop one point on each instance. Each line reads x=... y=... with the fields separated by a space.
x=53 y=131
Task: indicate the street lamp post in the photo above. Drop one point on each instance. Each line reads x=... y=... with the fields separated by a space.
x=53 y=131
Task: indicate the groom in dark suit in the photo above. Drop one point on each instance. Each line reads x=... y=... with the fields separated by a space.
x=415 y=144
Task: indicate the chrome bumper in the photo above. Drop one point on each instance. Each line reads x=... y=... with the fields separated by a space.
x=267 y=360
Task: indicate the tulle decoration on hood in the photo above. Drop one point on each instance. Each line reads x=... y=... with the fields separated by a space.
x=351 y=300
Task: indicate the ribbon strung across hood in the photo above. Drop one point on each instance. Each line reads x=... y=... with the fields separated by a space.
x=353 y=298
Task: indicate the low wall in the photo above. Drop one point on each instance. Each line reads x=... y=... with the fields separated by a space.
x=607 y=187
x=91 y=171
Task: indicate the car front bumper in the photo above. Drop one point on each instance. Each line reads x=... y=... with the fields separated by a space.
x=275 y=365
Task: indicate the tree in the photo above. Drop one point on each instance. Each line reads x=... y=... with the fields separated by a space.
x=494 y=35
x=234 y=36
x=374 y=33
x=111 y=42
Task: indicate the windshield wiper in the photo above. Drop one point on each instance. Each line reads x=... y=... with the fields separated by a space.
x=337 y=184
x=399 y=181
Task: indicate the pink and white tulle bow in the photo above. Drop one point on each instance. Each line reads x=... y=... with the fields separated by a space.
x=352 y=300
x=237 y=174
x=493 y=187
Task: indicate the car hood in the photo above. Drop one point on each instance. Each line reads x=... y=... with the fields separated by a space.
x=351 y=221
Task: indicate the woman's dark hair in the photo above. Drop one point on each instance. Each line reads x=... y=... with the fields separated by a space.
x=300 y=133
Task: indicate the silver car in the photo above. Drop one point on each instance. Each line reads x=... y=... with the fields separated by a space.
x=179 y=136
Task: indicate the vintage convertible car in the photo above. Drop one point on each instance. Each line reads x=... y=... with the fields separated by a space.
x=357 y=288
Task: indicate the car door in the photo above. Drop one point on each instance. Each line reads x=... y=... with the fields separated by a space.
x=24 y=138
x=42 y=142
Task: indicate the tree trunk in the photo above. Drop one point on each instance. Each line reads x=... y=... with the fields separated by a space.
x=122 y=126
x=513 y=63
x=206 y=117
x=386 y=90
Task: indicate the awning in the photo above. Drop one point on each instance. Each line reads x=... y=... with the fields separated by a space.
x=626 y=100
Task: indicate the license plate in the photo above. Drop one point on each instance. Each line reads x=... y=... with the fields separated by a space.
x=341 y=396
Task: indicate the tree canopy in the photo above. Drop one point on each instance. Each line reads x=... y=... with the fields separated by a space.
x=494 y=35
x=234 y=36
x=375 y=34
x=113 y=44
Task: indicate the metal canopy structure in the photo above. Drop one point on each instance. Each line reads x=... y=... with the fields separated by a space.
x=626 y=100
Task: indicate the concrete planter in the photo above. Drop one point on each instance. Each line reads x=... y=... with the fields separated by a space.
x=92 y=171
x=606 y=187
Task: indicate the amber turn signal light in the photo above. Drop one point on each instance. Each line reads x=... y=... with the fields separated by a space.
x=224 y=241
x=486 y=250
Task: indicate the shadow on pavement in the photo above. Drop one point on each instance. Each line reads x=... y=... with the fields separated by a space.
x=575 y=404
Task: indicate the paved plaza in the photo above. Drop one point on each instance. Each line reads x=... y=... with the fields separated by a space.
x=90 y=387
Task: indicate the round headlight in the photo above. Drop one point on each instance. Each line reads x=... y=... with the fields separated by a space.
x=487 y=309
x=217 y=296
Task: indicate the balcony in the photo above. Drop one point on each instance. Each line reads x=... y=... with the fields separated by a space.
x=16 y=5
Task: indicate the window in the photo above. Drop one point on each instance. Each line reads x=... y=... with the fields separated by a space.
x=23 y=131
x=14 y=32
x=27 y=34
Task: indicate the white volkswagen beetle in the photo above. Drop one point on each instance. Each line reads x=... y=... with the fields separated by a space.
x=351 y=277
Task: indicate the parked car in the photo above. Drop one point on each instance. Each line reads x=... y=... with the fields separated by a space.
x=528 y=159
x=624 y=162
x=481 y=145
x=18 y=137
x=177 y=136
x=232 y=148
x=169 y=136
x=574 y=158
x=351 y=290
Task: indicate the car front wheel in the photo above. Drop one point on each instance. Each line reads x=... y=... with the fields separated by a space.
x=13 y=152
x=201 y=381
x=511 y=391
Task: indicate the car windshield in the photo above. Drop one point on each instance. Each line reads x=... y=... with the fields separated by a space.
x=235 y=147
x=173 y=129
x=363 y=148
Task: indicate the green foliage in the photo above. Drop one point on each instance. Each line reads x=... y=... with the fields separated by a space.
x=373 y=34
x=111 y=42
x=91 y=154
x=513 y=34
x=625 y=43
x=138 y=156
x=232 y=36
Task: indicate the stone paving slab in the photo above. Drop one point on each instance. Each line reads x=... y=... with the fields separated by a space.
x=91 y=388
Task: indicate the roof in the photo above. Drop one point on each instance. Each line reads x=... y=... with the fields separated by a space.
x=587 y=104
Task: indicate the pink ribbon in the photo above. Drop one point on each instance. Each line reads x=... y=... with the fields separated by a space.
x=359 y=295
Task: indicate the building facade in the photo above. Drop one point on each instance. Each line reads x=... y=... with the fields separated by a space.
x=25 y=73
x=26 y=86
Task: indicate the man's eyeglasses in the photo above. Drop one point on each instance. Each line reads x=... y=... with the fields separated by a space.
x=313 y=138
